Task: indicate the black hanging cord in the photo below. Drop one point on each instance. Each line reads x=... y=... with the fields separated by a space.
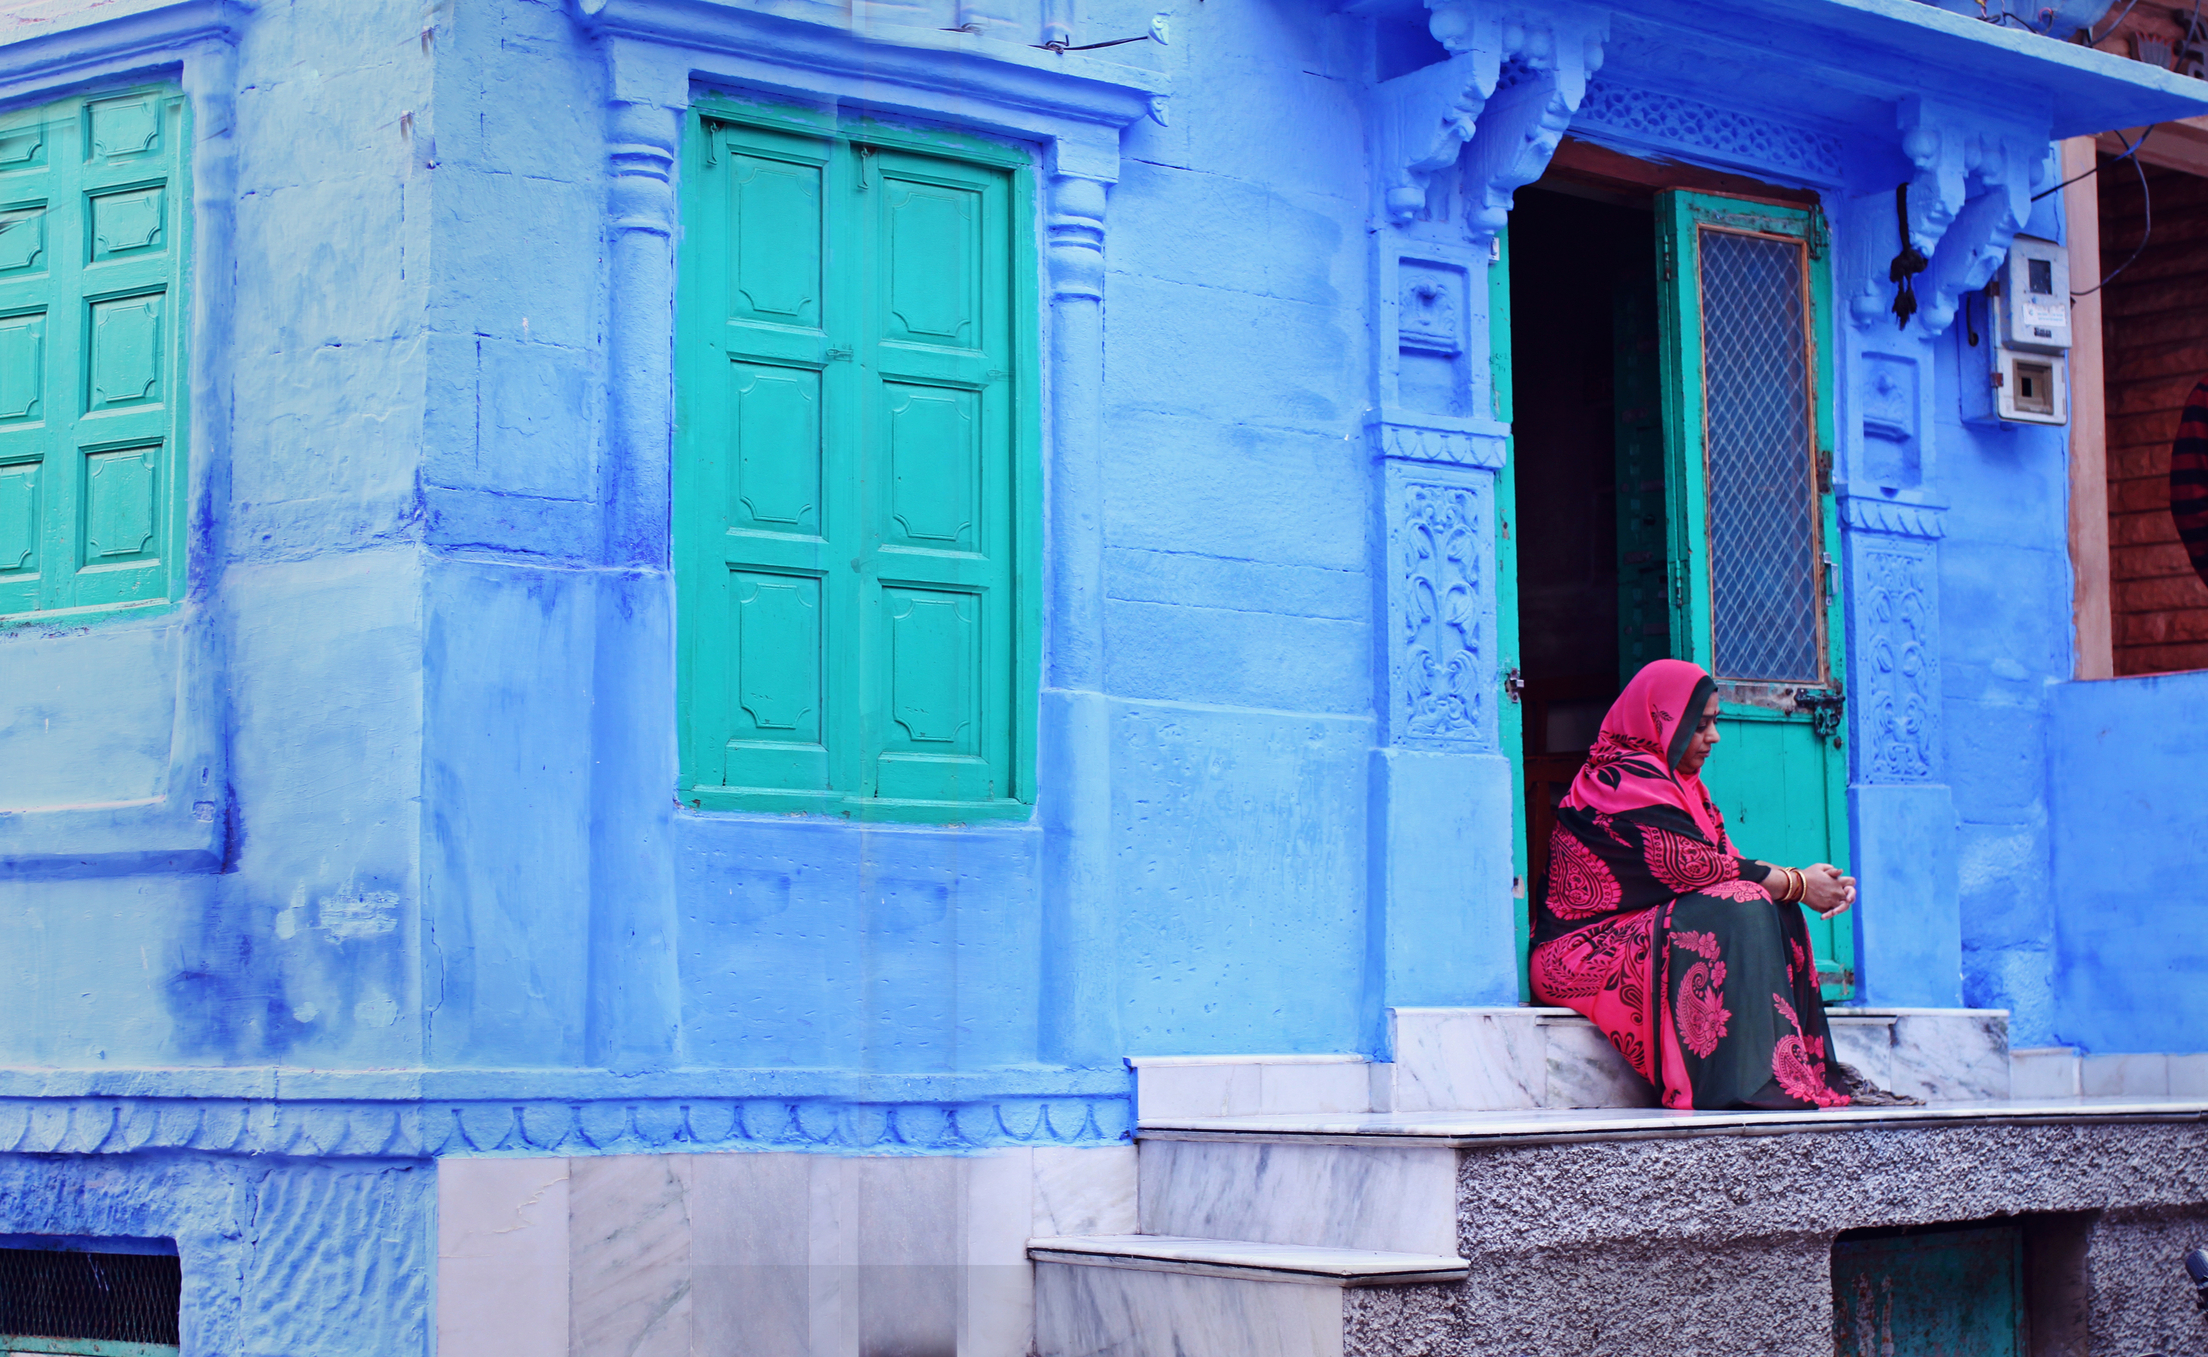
x=2146 y=206
x=1907 y=265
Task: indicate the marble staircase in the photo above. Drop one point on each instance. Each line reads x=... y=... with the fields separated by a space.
x=1280 y=1195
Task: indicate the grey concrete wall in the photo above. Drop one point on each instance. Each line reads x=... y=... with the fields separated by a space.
x=1723 y=1246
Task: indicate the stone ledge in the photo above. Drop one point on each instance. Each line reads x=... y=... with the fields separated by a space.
x=1248 y=1260
x=1479 y=1130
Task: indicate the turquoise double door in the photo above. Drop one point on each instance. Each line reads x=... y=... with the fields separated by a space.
x=1728 y=539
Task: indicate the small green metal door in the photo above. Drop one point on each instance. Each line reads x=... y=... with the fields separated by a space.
x=1943 y=1291
x=1752 y=533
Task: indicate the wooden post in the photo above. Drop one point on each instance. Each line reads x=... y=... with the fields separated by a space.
x=2089 y=567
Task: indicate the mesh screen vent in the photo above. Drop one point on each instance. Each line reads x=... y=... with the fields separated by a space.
x=110 y=1297
x=1755 y=364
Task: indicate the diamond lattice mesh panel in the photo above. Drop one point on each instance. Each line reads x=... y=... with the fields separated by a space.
x=119 y=1297
x=1755 y=374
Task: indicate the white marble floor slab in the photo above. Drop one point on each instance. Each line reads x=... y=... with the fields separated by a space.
x=502 y=1257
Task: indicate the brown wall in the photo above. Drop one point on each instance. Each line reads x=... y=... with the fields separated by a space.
x=2155 y=329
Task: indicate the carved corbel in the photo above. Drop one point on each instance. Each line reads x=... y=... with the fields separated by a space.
x=1507 y=92
x=1425 y=120
x=1970 y=195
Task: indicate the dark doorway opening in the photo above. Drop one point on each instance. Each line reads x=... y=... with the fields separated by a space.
x=1588 y=464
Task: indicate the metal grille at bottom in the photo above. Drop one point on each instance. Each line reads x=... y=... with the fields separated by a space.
x=111 y=1297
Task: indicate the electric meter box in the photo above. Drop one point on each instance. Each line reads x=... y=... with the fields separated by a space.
x=2035 y=296
x=2017 y=370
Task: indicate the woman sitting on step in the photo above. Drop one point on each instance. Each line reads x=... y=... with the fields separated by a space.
x=1694 y=960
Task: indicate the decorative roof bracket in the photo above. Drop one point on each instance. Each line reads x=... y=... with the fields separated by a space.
x=1970 y=195
x=1508 y=90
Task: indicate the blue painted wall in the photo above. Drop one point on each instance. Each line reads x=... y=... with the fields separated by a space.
x=410 y=736
x=2005 y=603
x=2130 y=833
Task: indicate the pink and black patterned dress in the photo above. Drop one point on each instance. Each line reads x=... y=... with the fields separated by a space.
x=1655 y=929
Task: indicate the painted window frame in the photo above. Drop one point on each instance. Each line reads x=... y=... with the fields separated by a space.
x=185 y=826
x=707 y=110
x=54 y=590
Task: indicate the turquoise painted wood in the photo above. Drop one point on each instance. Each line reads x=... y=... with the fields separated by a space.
x=1752 y=529
x=94 y=246
x=855 y=372
x=1934 y=1293
x=1511 y=708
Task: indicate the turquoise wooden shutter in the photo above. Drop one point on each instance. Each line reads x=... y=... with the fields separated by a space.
x=763 y=450
x=94 y=237
x=937 y=361
x=851 y=512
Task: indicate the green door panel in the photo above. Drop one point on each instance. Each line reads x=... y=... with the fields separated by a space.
x=853 y=484
x=95 y=238
x=1751 y=528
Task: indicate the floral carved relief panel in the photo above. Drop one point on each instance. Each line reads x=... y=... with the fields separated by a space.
x=1439 y=667
x=1898 y=674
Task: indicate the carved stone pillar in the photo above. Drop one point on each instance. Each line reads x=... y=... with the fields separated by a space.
x=634 y=993
x=1451 y=143
x=1909 y=926
x=1074 y=739
x=1440 y=789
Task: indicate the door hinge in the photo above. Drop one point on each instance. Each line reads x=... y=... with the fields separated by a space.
x=1824 y=471
x=1820 y=235
x=1832 y=577
x=1514 y=683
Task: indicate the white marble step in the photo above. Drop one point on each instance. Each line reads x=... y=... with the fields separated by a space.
x=1524 y=1057
x=1389 y=1182
x=1495 y=1059
x=1155 y=1296
x=1249 y=1260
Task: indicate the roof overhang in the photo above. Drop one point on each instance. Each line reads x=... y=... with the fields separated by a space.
x=1830 y=58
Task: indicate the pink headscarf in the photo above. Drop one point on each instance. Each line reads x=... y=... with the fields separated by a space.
x=1634 y=763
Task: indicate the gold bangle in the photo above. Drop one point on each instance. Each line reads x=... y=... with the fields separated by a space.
x=1799 y=889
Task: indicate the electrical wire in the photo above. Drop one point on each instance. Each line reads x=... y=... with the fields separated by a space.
x=2146 y=206
x=2129 y=152
x=2092 y=41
